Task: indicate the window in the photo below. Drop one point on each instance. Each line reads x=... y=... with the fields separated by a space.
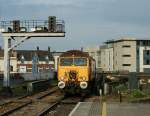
x=127 y=55
x=137 y=51
x=145 y=43
x=126 y=64
x=147 y=52
x=126 y=46
x=29 y=70
x=80 y=61
x=11 y=68
x=71 y=61
x=147 y=62
x=138 y=43
x=66 y=61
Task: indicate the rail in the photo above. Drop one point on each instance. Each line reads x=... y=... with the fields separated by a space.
x=15 y=105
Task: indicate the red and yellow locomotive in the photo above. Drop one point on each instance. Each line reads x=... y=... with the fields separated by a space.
x=76 y=71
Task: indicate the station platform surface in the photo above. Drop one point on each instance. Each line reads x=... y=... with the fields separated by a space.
x=127 y=109
x=87 y=109
x=110 y=109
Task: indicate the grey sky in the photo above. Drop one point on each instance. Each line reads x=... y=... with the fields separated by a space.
x=88 y=22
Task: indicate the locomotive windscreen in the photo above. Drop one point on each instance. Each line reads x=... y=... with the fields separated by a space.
x=80 y=61
x=66 y=61
x=75 y=61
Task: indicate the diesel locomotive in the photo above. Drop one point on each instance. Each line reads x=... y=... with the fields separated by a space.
x=76 y=72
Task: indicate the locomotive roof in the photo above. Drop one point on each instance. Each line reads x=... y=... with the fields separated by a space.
x=77 y=53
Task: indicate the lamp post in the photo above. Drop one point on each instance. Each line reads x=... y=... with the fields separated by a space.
x=47 y=63
x=35 y=65
x=22 y=59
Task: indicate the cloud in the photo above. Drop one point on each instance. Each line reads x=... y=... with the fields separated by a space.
x=42 y=2
x=87 y=21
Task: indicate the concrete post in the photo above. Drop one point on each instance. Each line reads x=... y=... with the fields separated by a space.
x=56 y=62
x=105 y=88
x=6 y=82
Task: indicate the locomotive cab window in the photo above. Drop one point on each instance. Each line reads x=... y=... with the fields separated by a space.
x=80 y=61
x=66 y=61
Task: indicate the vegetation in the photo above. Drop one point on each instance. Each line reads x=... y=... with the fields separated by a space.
x=137 y=94
x=132 y=95
x=122 y=87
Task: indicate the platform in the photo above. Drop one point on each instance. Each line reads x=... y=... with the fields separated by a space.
x=127 y=109
x=110 y=109
x=87 y=109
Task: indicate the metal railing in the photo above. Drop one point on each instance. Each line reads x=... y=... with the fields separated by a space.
x=32 y=26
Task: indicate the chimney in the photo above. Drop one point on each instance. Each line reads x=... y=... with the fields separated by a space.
x=37 y=48
x=82 y=49
x=49 y=49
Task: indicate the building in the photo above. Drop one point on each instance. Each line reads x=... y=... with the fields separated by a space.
x=13 y=61
x=126 y=54
x=106 y=58
x=56 y=56
x=95 y=53
x=25 y=60
x=22 y=60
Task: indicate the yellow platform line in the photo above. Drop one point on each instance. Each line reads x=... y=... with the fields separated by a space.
x=104 y=111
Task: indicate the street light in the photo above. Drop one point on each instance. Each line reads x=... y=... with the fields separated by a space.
x=22 y=59
x=47 y=62
x=47 y=59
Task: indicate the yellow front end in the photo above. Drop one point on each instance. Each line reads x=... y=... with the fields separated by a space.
x=73 y=76
x=81 y=73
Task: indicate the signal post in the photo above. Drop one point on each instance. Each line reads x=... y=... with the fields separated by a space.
x=16 y=32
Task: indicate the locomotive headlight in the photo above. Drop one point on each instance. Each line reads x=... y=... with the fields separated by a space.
x=61 y=84
x=83 y=85
x=61 y=78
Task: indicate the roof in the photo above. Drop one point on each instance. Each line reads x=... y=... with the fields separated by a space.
x=56 y=53
x=125 y=39
x=28 y=54
x=2 y=53
x=75 y=53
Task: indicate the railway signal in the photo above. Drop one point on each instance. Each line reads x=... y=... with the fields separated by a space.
x=11 y=30
x=52 y=23
x=16 y=26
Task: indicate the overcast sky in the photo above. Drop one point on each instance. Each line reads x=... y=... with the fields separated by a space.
x=88 y=22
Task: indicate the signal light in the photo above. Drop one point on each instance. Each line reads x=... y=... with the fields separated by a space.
x=51 y=23
x=16 y=25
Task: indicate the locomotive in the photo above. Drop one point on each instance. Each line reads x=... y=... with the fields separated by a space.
x=76 y=72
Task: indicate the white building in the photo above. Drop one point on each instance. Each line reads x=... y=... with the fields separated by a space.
x=13 y=61
x=95 y=53
x=144 y=59
x=106 y=58
x=126 y=54
x=56 y=56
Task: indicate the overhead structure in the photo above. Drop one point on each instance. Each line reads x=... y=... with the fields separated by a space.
x=17 y=31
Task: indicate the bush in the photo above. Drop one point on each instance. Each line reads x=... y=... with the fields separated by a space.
x=137 y=94
x=121 y=87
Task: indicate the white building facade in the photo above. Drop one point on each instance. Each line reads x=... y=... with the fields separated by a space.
x=126 y=54
x=95 y=53
x=106 y=58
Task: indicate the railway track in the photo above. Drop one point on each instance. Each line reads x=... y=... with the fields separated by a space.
x=50 y=102
x=24 y=101
x=61 y=107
